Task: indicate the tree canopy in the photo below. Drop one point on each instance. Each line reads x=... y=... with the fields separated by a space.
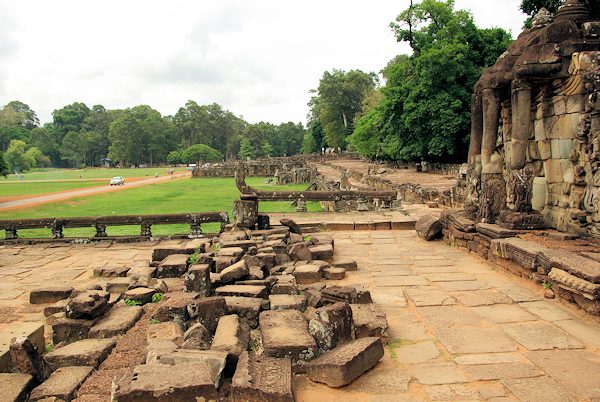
x=200 y=153
x=423 y=111
x=531 y=7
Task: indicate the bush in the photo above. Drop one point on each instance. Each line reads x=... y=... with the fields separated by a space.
x=200 y=152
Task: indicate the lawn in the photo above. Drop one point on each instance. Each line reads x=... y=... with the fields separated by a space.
x=89 y=173
x=14 y=189
x=178 y=196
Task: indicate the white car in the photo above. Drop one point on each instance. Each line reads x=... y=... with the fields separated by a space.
x=117 y=181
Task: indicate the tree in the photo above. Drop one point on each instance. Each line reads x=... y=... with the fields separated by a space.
x=174 y=157
x=70 y=118
x=36 y=158
x=246 y=150
x=16 y=157
x=337 y=101
x=126 y=140
x=531 y=7
x=12 y=126
x=29 y=119
x=424 y=110
x=267 y=150
x=4 y=171
x=200 y=153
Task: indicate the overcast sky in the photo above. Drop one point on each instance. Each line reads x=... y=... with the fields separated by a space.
x=257 y=58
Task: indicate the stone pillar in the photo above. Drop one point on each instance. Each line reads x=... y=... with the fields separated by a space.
x=521 y=123
x=476 y=126
x=195 y=228
x=146 y=229
x=245 y=212
x=100 y=230
x=11 y=233
x=491 y=115
x=300 y=205
x=57 y=230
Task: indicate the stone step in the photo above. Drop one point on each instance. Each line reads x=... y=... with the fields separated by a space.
x=261 y=378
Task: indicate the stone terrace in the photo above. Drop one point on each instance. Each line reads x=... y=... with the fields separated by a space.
x=459 y=328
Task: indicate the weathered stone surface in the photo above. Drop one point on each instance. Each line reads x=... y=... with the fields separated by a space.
x=119 y=285
x=232 y=252
x=242 y=291
x=62 y=384
x=494 y=231
x=207 y=311
x=197 y=337
x=334 y=273
x=437 y=374
x=294 y=227
x=488 y=372
x=118 y=320
x=161 y=382
x=26 y=358
x=166 y=331
x=197 y=279
x=111 y=271
x=234 y=272
x=306 y=274
x=49 y=294
x=542 y=388
x=160 y=253
x=173 y=266
x=67 y=330
x=230 y=336
x=285 y=334
x=15 y=386
x=140 y=295
x=429 y=296
x=573 y=263
x=175 y=308
x=335 y=294
x=332 y=326
x=322 y=251
x=213 y=360
x=299 y=252
x=57 y=307
x=87 y=352
x=428 y=227
x=346 y=263
x=537 y=335
x=313 y=298
x=287 y=302
x=416 y=353
x=345 y=363
x=575 y=284
x=260 y=378
x=369 y=321
x=222 y=262
x=247 y=308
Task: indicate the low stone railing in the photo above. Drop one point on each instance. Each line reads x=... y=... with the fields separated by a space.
x=100 y=223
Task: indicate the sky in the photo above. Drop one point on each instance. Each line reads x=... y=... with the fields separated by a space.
x=257 y=58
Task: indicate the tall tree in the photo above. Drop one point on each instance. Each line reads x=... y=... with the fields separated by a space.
x=424 y=111
x=337 y=101
x=16 y=156
x=3 y=166
x=29 y=119
x=126 y=140
x=531 y=7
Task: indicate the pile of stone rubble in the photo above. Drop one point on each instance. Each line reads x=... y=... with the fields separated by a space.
x=230 y=318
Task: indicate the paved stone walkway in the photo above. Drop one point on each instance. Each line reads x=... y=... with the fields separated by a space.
x=459 y=328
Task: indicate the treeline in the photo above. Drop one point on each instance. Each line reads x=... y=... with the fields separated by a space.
x=82 y=136
x=422 y=112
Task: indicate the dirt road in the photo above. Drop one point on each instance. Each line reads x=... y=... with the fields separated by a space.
x=64 y=195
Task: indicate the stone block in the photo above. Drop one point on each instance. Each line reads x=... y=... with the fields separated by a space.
x=118 y=320
x=26 y=358
x=67 y=330
x=321 y=251
x=166 y=331
x=332 y=325
x=285 y=334
x=334 y=273
x=140 y=295
x=335 y=294
x=539 y=130
x=88 y=305
x=31 y=330
x=118 y=285
x=243 y=291
x=306 y=274
x=15 y=386
x=428 y=227
x=207 y=311
x=213 y=360
x=173 y=266
x=112 y=271
x=287 y=302
x=161 y=382
x=230 y=336
x=247 y=308
x=197 y=337
x=87 y=352
x=235 y=252
x=553 y=171
x=369 y=321
x=345 y=363
x=346 y=263
x=299 y=252
x=57 y=307
x=49 y=294
x=160 y=253
x=261 y=378
x=234 y=272
x=62 y=384
x=197 y=279
x=538 y=193
x=544 y=149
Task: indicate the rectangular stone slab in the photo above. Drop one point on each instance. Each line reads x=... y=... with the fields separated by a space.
x=173 y=266
x=242 y=291
x=118 y=320
x=285 y=334
x=345 y=363
x=261 y=378
x=49 y=294
x=62 y=384
x=15 y=386
x=161 y=382
x=87 y=352
x=247 y=308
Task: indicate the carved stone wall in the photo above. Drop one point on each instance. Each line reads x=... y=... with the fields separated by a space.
x=536 y=127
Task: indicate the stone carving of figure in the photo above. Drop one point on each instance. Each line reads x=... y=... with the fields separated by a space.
x=522 y=184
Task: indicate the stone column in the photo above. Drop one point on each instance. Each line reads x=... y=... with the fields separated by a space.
x=245 y=212
x=476 y=126
x=491 y=115
x=521 y=123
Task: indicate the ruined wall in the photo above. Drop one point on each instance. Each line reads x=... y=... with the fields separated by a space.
x=535 y=138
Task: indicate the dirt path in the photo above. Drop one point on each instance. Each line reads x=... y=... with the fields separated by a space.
x=132 y=182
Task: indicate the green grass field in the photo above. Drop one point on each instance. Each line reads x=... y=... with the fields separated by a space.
x=12 y=188
x=89 y=173
x=178 y=196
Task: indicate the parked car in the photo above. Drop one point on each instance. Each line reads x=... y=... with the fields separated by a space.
x=117 y=181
